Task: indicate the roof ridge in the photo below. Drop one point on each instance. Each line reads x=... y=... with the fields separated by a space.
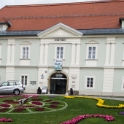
x=68 y=3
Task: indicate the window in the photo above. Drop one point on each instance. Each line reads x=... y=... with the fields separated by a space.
x=5 y=84
x=0 y=49
x=90 y=82
x=25 y=52
x=60 y=52
x=91 y=52
x=123 y=83
x=24 y=79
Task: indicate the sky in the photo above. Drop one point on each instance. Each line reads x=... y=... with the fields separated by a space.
x=22 y=2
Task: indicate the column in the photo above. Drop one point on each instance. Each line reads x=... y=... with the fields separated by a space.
x=13 y=53
x=73 y=54
x=46 y=54
x=112 y=54
x=107 y=54
x=78 y=54
x=10 y=51
x=41 y=54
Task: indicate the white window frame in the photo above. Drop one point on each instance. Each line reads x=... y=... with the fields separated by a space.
x=63 y=52
x=87 y=54
x=28 y=51
x=0 y=51
x=27 y=78
x=122 y=86
x=86 y=77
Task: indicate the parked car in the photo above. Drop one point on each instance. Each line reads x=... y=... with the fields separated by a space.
x=11 y=87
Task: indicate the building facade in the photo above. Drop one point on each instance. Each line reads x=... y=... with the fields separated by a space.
x=91 y=60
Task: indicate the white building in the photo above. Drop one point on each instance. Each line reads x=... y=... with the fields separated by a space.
x=88 y=38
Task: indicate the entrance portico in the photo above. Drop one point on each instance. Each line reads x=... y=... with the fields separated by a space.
x=58 y=83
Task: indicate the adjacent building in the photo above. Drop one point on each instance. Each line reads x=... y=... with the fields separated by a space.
x=62 y=46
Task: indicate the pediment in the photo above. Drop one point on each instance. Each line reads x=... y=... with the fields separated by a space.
x=25 y=43
x=92 y=42
x=59 y=30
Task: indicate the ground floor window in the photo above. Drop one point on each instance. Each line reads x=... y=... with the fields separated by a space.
x=90 y=82
x=24 y=79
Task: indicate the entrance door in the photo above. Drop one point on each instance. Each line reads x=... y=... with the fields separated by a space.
x=58 y=83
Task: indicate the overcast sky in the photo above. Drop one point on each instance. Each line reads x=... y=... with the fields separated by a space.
x=22 y=2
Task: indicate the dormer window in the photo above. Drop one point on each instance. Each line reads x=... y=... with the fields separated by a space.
x=4 y=24
x=122 y=22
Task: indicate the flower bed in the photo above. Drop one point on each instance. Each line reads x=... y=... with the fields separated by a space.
x=81 y=117
x=30 y=105
x=20 y=109
x=10 y=101
x=100 y=102
x=37 y=103
x=5 y=105
x=48 y=100
x=3 y=109
x=53 y=106
x=6 y=120
x=39 y=109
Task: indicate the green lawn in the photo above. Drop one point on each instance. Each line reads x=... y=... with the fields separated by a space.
x=76 y=106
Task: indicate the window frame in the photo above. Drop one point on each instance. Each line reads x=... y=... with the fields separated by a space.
x=59 y=55
x=24 y=76
x=22 y=46
x=86 y=77
x=122 y=86
x=87 y=53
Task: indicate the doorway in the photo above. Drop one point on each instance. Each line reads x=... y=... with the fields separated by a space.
x=58 y=83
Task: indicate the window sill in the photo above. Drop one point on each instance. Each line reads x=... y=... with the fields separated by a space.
x=59 y=59
x=24 y=59
x=91 y=59
x=90 y=88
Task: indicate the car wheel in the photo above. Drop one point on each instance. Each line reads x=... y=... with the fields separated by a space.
x=16 y=92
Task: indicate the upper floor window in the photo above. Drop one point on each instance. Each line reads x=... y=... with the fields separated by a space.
x=0 y=49
x=25 y=52
x=59 y=52
x=91 y=52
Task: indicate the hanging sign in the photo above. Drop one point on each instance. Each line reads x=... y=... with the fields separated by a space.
x=58 y=64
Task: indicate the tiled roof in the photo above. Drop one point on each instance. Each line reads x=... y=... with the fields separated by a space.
x=83 y=15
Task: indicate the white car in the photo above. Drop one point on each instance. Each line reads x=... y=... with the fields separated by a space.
x=11 y=87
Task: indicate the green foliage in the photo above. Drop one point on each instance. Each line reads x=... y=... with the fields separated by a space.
x=76 y=106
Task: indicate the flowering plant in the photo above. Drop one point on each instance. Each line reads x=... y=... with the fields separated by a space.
x=39 y=109
x=20 y=109
x=3 y=109
x=37 y=103
x=81 y=117
x=6 y=120
x=5 y=105
x=100 y=102
x=121 y=113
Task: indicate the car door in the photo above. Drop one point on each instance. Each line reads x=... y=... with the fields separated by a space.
x=3 y=87
x=10 y=87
